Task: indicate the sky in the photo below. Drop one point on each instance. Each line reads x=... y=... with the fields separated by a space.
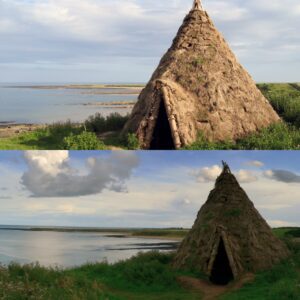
x=123 y=40
x=140 y=189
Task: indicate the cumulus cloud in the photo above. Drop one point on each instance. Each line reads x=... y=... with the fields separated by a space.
x=245 y=176
x=210 y=174
x=50 y=174
x=255 y=163
x=283 y=176
x=207 y=174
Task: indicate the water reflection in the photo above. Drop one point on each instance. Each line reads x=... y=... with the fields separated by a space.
x=69 y=249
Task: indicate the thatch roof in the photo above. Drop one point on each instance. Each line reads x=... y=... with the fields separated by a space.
x=199 y=86
x=229 y=237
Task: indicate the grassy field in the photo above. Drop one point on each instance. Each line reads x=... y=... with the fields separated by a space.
x=148 y=276
x=99 y=133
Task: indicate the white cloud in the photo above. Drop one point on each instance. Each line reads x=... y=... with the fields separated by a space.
x=210 y=174
x=50 y=174
x=245 y=176
x=48 y=162
x=207 y=174
x=255 y=163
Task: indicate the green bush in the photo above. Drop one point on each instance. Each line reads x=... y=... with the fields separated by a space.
x=132 y=142
x=83 y=141
x=100 y=124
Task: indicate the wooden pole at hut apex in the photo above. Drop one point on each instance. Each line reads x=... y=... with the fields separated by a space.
x=197 y=5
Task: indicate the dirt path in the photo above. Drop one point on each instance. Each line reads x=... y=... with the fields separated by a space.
x=211 y=291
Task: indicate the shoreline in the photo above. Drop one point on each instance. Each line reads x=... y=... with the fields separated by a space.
x=161 y=234
x=79 y=86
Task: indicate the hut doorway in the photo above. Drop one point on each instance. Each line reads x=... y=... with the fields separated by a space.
x=162 y=136
x=221 y=272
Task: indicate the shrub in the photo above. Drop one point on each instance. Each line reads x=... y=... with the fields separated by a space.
x=132 y=142
x=83 y=141
x=100 y=124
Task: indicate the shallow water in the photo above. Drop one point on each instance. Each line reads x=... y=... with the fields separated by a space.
x=31 y=105
x=68 y=249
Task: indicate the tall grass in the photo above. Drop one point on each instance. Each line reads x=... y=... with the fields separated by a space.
x=145 y=276
x=276 y=137
x=285 y=99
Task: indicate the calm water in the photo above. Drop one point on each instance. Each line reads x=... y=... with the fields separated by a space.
x=28 y=105
x=71 y=249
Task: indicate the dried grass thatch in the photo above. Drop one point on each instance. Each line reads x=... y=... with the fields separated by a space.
x=199 y=86
x=229 y=237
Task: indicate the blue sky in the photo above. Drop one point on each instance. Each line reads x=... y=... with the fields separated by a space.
x=123 y=40
x=140 y=189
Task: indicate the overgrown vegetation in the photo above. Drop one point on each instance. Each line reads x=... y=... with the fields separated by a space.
x=276 y=137
x=72 y=136
x=100 y=124
x=285 y=98
x=145 y=276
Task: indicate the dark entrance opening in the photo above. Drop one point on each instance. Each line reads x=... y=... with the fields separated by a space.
x=162 y=136
x=221 y=272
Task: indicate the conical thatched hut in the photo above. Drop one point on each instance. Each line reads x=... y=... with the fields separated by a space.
x=229 y=237
x=199 y=86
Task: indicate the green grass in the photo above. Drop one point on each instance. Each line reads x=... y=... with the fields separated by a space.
x=276 y=137
x=71 y=136
x=145 y=276
x=285 y=98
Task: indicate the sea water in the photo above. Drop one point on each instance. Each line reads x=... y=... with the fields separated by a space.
x=69 y=249
x=45 y=106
